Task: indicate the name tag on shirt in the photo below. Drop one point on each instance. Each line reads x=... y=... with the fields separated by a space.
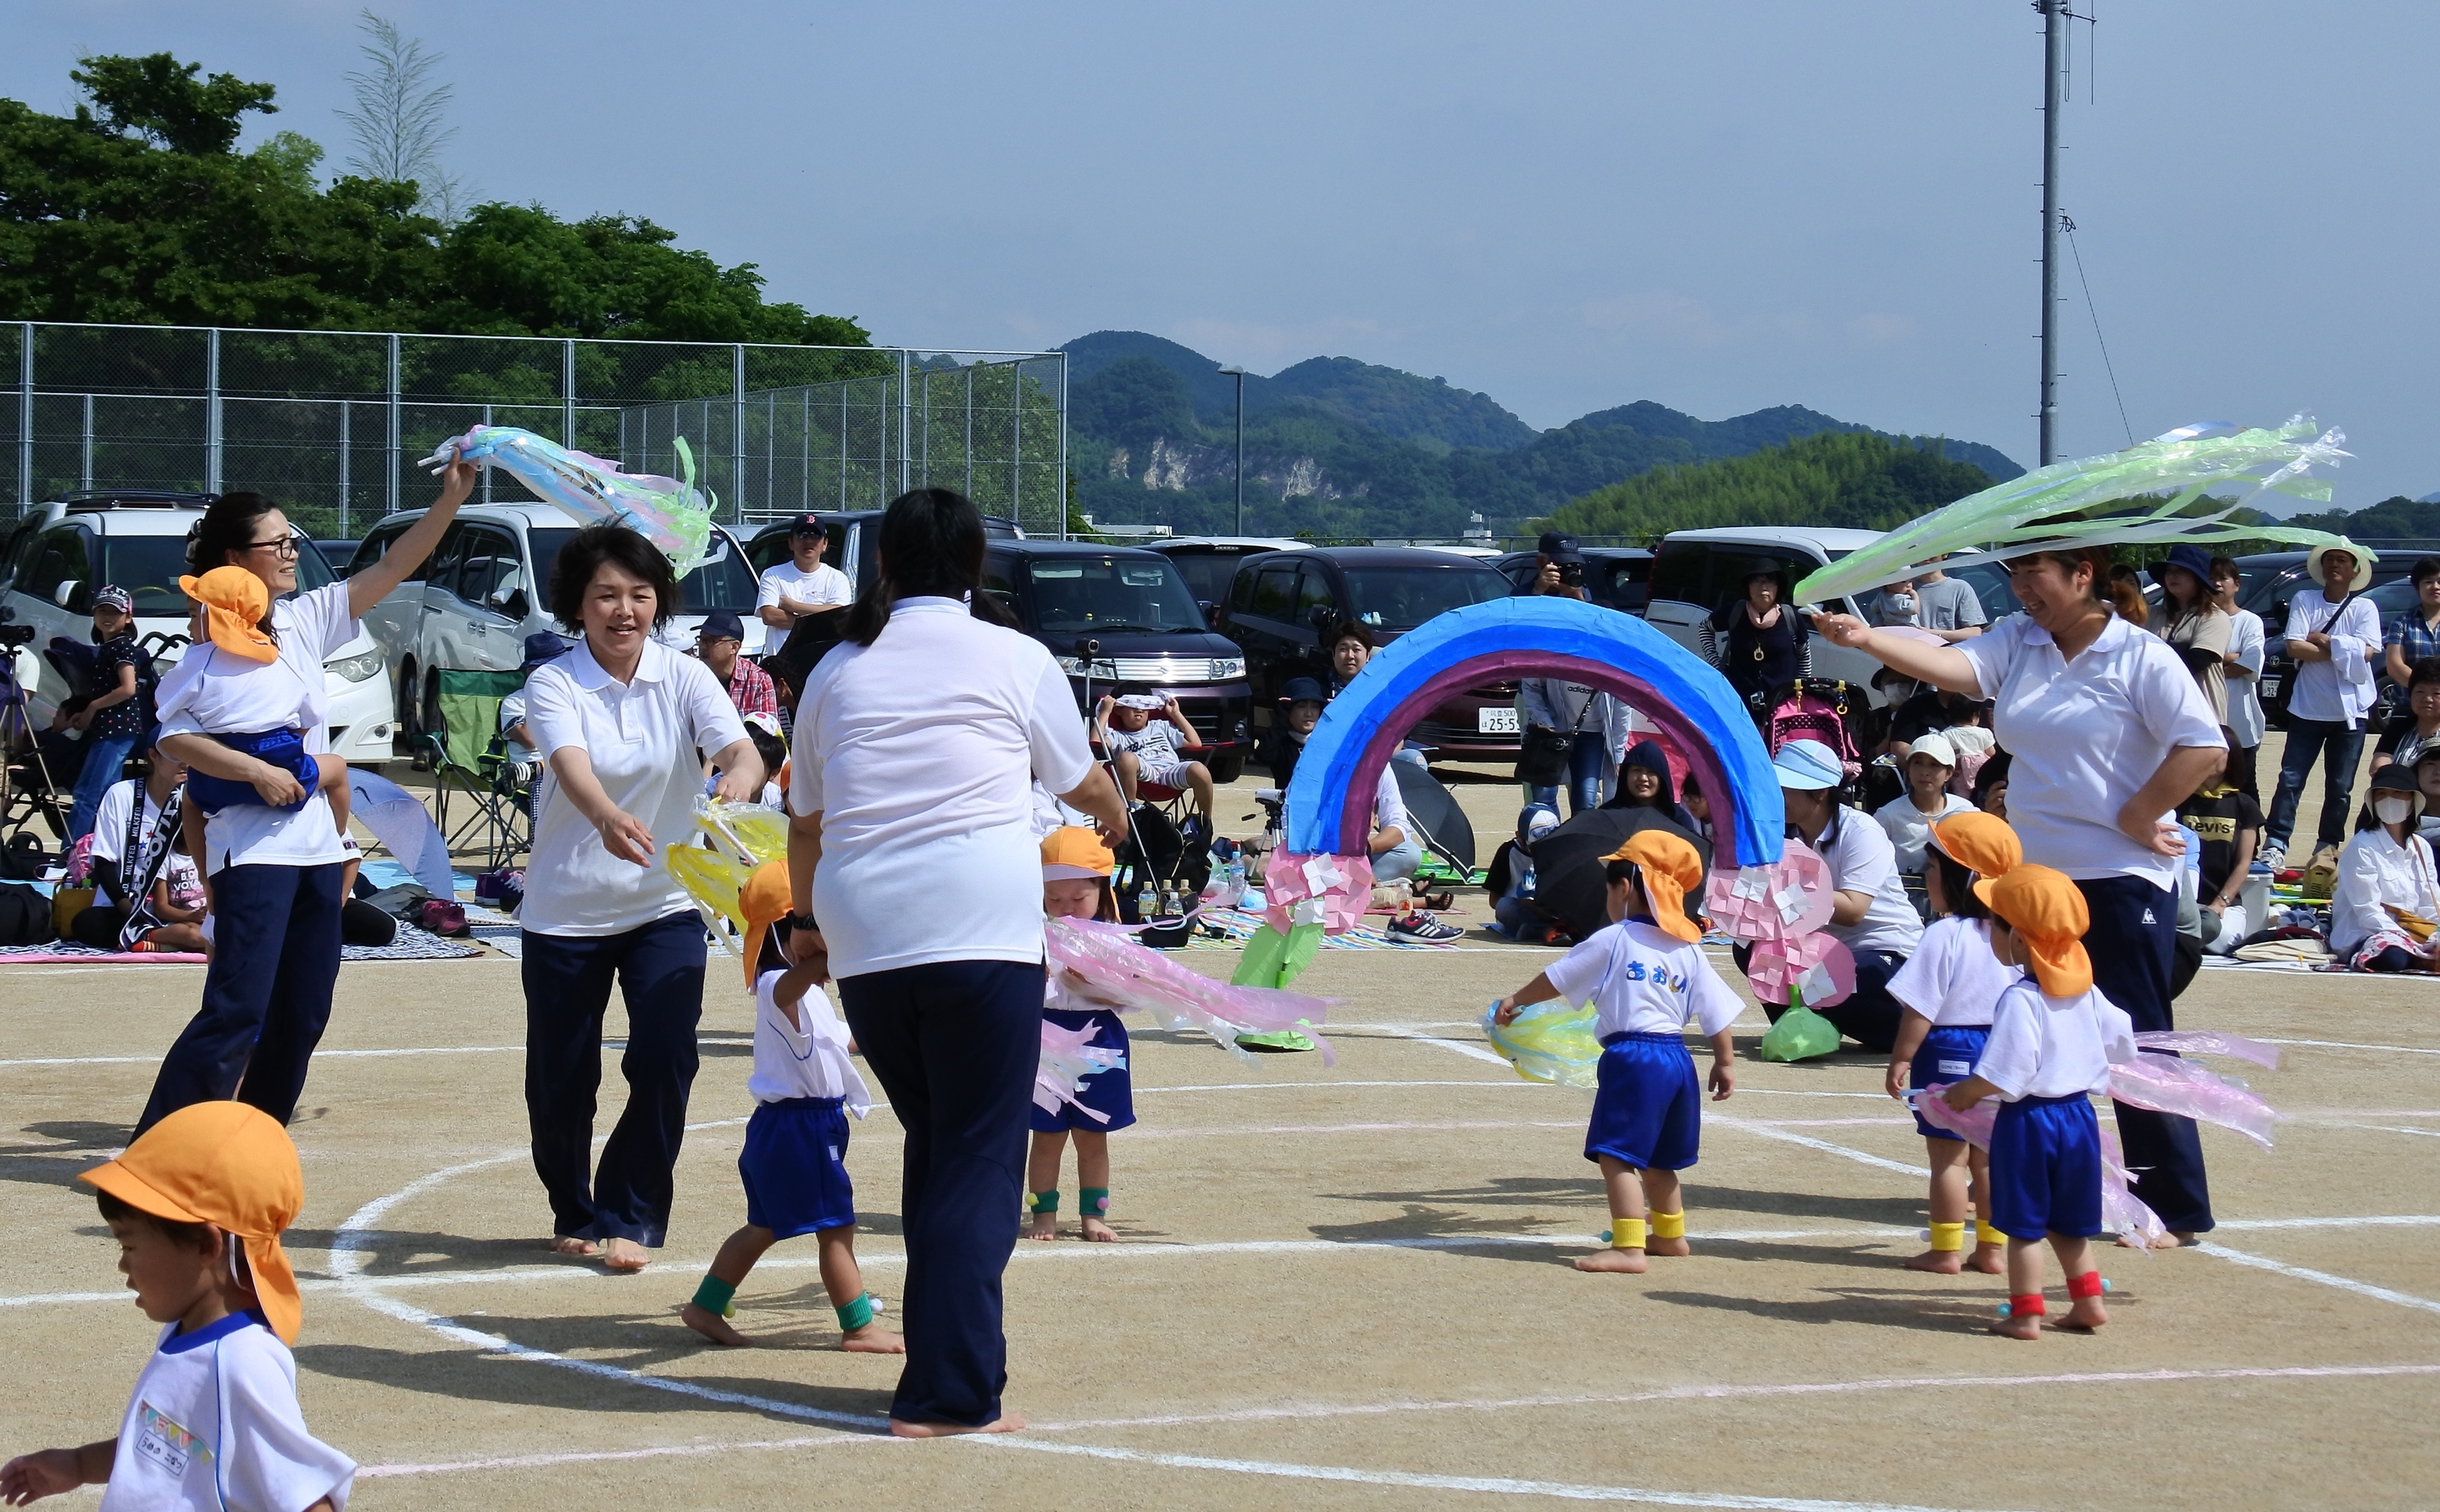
x=1955 y=1068
x=166 y=1444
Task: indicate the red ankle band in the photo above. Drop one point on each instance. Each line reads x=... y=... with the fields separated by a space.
x=2028 y=1305
x=2087 y=1285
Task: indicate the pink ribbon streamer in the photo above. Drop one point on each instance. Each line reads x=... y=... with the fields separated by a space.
x=1100 y=965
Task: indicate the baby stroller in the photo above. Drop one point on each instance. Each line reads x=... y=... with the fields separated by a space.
x=1815 y=708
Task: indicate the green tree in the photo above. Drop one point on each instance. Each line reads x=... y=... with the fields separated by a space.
x=1858 y=480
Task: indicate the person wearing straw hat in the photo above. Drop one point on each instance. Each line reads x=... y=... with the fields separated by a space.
x=1949 y=987
x=197 y=1204
x=794 y=1165
x=1645 y=976
x=2334 y=637
x=2053 y=1036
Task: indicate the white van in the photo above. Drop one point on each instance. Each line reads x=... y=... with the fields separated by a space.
x=482 y=591
x=137 y=541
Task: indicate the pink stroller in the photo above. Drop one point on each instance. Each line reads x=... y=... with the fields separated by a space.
x=1816 y=709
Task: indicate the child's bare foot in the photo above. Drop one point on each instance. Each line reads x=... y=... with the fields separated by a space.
x=570 y=1244
x=2167 y=1241
x=1044 y=1226
x=1099 y=1232
x=1677 y=1247
x=1009 y=1423
x=1938 y=1262
x=2028 y=1327
x=1624 y=1262
x=1991 y=1259
x=2086 y=1315
x=713 y=1326
x=625 y=1257
x=872 y=1338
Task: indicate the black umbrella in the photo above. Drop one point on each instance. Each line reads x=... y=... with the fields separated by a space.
x=1440 y=824
x=1569 y=882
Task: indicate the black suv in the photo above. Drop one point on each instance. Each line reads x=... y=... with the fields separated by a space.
x=851 y=537
x=1280 y=602
x=1122 y=620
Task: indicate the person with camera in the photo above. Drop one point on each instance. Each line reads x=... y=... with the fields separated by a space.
x=1572 y=734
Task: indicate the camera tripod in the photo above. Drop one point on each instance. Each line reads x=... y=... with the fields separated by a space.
x=18 y=806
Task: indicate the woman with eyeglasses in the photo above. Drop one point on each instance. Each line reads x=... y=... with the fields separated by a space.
x=273 y=867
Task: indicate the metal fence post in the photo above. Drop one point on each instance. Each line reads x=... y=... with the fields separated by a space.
x=212 y=410
x=1061 y=503
x=26 y=418
x=737 y=437
x=906 y=412
x=970 y=431
x=842 y=460
x=806 y=472
x=1016 y=443
x=344 y=443
x=389 y=500
x=84 y=468
x=568 y=393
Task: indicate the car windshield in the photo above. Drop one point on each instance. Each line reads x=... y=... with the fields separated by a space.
x=2267 y=590
x=149 y=567
x=1073 y=593
x=1404 y=597
x=723 y=581
x=1208 y=573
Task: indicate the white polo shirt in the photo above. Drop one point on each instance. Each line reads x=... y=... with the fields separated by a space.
x=1952 y=978
x=213 y=692
x=2086 y=736
x=647 y=740
x=1863 y=861
x=808 y=1063
x=1642 y=981
x=823 y=587
x=2042 y=1046
x=214 y=1427
x=920 y=752
x=1910 y=829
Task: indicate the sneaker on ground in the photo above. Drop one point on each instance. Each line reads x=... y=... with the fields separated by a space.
x=1422 y=927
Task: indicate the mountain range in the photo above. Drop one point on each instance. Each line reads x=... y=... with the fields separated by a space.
x=1338 y=447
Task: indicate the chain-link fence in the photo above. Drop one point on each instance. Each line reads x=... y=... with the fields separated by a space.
x=330 y=423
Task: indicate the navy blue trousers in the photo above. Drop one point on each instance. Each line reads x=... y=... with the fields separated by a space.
x=659 y=972
x=955 y=1045
x=2134 y=929
x=266 y=994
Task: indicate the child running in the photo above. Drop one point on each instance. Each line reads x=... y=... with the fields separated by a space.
x=197 y=1205
x=1949 y=987
x=228 y=691
x=794 y=1162
x=1644 y=976
x=1076 y=869
x=2053 y=1037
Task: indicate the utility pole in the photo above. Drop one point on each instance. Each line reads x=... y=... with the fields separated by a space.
x=2054 y=20
x=1239 y=374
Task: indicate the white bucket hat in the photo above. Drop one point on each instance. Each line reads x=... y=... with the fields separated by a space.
x=2365 y=558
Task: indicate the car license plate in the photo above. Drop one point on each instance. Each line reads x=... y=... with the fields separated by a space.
x=1496 y=722
x=2270 y=687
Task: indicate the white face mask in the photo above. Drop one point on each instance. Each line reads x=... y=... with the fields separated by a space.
x=2392 y=810
x=1899 y=603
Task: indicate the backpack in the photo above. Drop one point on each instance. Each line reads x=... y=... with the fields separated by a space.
x=25 y=916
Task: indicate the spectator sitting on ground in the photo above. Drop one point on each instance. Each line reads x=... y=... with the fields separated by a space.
x=141 y=900
x=2408 y=739
x=1143 y=749
x=1511 y=880
x=1643 y=782
x=718 y=642
x=1289 y=730
x=1929 y=763
x=805 y=584
x=2227 y=823
x=1698 y=807
x=2385 y=871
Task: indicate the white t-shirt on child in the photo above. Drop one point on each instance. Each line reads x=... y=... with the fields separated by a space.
x=214 y=1425
x=1952 y=978
x=1641 y=980
x=2042 y=1046
x=1155 y=745
x=808 y=1063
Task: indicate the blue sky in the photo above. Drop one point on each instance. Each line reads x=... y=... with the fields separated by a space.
x=1566 y=206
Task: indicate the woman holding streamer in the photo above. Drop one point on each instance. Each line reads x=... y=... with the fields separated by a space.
x=274 y=865
x=623 y=724
x=2109 y=733
x=913 y=847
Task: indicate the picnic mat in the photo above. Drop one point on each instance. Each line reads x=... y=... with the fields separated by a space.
x=1236 y=926
x=411 y=945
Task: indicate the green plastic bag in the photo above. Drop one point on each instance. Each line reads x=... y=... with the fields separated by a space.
x=1274 y=960
x=1800 y=1034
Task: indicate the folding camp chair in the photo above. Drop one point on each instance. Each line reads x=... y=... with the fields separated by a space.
x=470 y=764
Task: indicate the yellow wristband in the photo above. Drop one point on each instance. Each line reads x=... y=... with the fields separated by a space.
x=1669 y=1225
x=1947 y=1237
x=1985 y=1233
x=1626 y=1234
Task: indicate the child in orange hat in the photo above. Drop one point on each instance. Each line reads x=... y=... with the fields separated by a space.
x=794 y=1163
x=1949 y=987
x=1076 y=868
x=1645 y=976
x=197 y=1205
x=2053 y=1038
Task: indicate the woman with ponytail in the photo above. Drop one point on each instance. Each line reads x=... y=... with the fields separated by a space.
x=917 y=883
x=2110 y=734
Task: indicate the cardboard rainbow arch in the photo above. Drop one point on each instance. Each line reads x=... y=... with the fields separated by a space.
x=1330 y=801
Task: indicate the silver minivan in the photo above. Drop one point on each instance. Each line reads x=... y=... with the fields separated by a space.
x=483 y=592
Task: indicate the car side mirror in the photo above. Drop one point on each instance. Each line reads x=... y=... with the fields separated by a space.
x=1322 y=620
x=64 y=594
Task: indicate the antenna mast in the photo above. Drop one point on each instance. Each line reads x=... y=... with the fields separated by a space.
x=2054 y=20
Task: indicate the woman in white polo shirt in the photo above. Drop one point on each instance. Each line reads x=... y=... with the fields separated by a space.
x=2108 y=735
x=623 y=724
x=274 y=870
x=1871 y=916
x=919 y=739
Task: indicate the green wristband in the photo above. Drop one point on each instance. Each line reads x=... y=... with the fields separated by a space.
x=716 y=1297
x=856 y=1314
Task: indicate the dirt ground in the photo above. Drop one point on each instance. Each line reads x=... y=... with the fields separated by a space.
x=1337 y=1287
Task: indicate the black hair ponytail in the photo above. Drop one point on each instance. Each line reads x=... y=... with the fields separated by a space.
x=932 y=542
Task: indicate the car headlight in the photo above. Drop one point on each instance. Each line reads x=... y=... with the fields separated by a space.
x=356 y=668
x=1225 y=667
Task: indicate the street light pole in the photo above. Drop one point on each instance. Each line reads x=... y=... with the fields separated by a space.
x=2055 y=16
x=1239 y=374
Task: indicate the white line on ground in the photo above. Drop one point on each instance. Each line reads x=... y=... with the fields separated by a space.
x=1408 y=1032
x=2342 y=1044
x=2361 y=1289
x=1767 y=1131
x=525 y=1462
x=318 y=1054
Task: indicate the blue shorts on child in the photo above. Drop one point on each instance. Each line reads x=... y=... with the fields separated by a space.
x=283 y=748
x=1105 y=1092
x=795 y=1166
x=2046 y=1169
x=1947 y=1055
x=1649 y=1112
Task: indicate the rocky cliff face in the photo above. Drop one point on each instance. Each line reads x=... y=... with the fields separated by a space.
x=1176 y=467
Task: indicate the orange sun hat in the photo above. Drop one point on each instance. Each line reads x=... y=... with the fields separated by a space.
x=1671 y=870
x=761 y=902
x=1074 y=853
x=1984 y=844
x=235 y=605
x=2048 y=911
x=229 y=1164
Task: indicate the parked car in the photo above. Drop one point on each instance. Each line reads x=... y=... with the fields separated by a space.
x=1617 y=576
x=850 y=550
x=482 y=590
x=138 y=541
x=1279 y=603
x=1697 y=571
x=340 y=550
x=1208 y=564
x=2268 y=580
x=1122 y=620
